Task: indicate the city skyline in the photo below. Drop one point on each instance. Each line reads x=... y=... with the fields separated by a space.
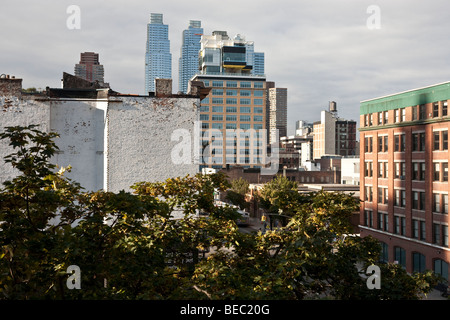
x=319 y=51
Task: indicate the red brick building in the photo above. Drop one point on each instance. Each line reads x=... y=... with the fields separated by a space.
x=404 y=176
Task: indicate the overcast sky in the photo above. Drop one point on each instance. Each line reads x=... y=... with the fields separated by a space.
x=320 y=50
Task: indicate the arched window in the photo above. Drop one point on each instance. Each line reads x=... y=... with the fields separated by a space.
x=400 y=256
x=441 y=268
x=418 y=262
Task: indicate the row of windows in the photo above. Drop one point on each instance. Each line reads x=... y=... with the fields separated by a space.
x=229 y=109
x=440 y=142
x=439 y=200
x=220 y=125
x=244 y=101
x=440 y=267
x=439 y=109
x=440 y=170
x=234 y=84
x=418 y=227
x=235 y=92
x=219 y=117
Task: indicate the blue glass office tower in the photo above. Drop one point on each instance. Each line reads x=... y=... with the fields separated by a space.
x=188 y=62
x=158 y=59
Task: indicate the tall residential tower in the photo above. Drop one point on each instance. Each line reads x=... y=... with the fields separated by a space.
x=89 y=67
x=188 y=63
x=158 y=59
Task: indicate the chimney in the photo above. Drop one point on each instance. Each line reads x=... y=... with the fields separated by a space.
x=163 y=87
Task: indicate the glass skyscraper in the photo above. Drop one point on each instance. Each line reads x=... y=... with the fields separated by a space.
x=188 y=63
x=158 y=59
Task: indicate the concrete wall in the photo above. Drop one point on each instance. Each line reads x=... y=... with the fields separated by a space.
x=140 y=139
x=17 y=112
x=80 y=124
x=110 y=143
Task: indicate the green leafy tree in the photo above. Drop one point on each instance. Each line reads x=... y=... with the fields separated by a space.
x=279 y=195
x=237 y=193
x=149 y=244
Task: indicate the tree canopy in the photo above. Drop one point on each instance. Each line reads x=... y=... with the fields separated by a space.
x=151 y=243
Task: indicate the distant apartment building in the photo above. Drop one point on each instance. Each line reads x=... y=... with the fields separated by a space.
x=158 y=59
x=334 y=135
x=89 y=67
x=277 y=110
x=233 y=115
x=190 y=48
x=404 y=176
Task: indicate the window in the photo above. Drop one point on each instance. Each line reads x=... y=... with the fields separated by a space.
x=400 y=170
x=445 y=140
x=245 y=101
x=436 y=136
x=217 y=126
x=415 y=115
x=258 y=102
x=204 y=117
x=258 y=85
x=380 y=221
x=258 y=110
x=415 y=229
x=231 y=118
x=217 y=83
x=444 y=108
x=368 y=193
x=258 y=93
x=445 y=235
x=368 y=169
x=245 y=93
x=437 y=202
x=435 y=110
x=422 y=112
x=437 y=233
x=400 y=256
x=400 y=198
x=445 y=203
x=386 y=117
x=399 y=225
x=436 y=171
x=368 y=218
x=441 y=268
x=397 y=115
x=423 y=230
x=217 y=117
x=380 y=118
x=231 y=109
x=418 y=198
x=400 y=142
x=231 y=101
x=418 y=262
x=384 y=252
x=231 y=84
x=245 y=109
x=418 y=141
x=368 y=144
x=232 y=92
x=244 y=118
x=217 y=92
x=246 y=84
x=403 y=114
x=257 y=118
